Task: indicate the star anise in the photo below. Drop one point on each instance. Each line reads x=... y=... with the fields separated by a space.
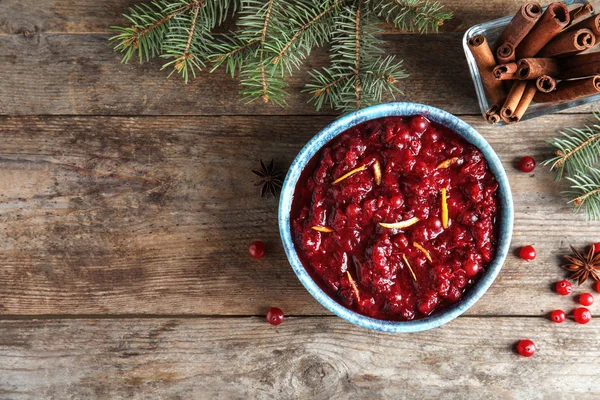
x=271 y=179
x=583 y=266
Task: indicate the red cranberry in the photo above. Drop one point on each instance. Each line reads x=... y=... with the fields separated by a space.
x=597 y=286
x=527 y=253
x=526 y=348
x=397 y=201
x=596 y=247
x=401 y=241
x=419 y=123
x=459 y=279
x=527 y=164
x=586 y=299
x=582 y=315
x=427 y=304
x=453 y=294
x=473 y=264
x=275 y=316
x=257 y=249
x=471 y=268
x=558 y=316
x=564 y=288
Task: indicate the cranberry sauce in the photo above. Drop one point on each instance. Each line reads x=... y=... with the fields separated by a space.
x=395 y=218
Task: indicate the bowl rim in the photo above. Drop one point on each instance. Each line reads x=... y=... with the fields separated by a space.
x=505 y=225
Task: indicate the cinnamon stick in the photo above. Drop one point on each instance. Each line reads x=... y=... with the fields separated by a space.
x=505 y=71
x=520 y=25
x=532 y=68
x=505 y=53
x=524 y=103
x=568 y=43
x=570 y=90
x=545 y=83
x=580 y=59
x=492 y=115
x=579 y=66
x=580 y=12
x=552 y=21
x=513 y=99
x=592 y=23
x=485 y=62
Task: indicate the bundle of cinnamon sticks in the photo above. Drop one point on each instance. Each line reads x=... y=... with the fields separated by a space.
x=537 y=59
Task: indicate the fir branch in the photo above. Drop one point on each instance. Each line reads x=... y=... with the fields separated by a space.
x=265 y=84
x=585 y=192
x=311 y=25
x=246 y=51
x=576 y=150
x=259 y=81
x=358 y=75
x=274 y=37
x=419 y=15
x=185 y=45
x=357 y=50
x=232 y=52
x=258 y=77
x=149 y=24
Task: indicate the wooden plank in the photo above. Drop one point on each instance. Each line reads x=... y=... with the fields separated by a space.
x=62 y=74
x=80 y=74
x=317 y=358
x=110 y=215
x=69 y=16
x=96 y=16
x=44 y=71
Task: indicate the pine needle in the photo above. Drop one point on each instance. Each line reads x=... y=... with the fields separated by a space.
x=585 y=192
x=359 y=74
x=411 y=15
x=576 y=156
x=272 y=40
x=576 y=150
x=310 y=25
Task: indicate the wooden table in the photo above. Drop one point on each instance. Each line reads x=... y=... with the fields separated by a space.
x=127 y=205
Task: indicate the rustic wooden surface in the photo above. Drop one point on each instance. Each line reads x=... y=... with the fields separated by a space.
x=126 y=208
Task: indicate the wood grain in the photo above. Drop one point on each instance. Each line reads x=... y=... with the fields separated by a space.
x=124 y=193
x=153 y=215
x=80 y=74
x=96 y=16
x=63 y=74
x=47 y=72
x=316 y=358
x=68 y=16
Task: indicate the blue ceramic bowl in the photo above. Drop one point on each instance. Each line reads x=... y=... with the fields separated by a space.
x=385 y=110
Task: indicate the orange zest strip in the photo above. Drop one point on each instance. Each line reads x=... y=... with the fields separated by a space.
x=377 y=172
x=319 y=228
x=447 y=163
x=350 y=173
x=353 y=284
x=444 y=209
x=401 y=224
x=423 y=250
x=409 y=267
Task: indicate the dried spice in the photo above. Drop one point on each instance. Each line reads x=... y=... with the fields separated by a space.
x=409 y=267
x=377 y=172
x=583 y=266
x=447 y=163
x=423 y=250
x=350 y=173
x=321 y=228
x=271 y=179
x=444 y=209
x=354 y=287
x=401 y=224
